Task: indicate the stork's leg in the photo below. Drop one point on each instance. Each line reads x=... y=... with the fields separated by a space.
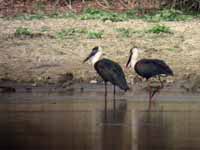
x=154 y=92
x=105 y=108
x=157 y=90
x=149 y=88
x=151 y=92
x=114 y=100
x=161 y=82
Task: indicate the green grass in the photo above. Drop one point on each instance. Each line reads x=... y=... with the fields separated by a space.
x=172 y=49
x=131 y=14
x=88 y=14
x=44 y=29
x=76 y=32
x=41 y=16
x=157 y=29
x=168 y=15
x=69 y=33
x=95 y=34
x=97 y=14
x=162 y=15
x=21 y=31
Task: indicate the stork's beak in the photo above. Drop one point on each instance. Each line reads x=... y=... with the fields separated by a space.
x=88 y=57
x=129 y=60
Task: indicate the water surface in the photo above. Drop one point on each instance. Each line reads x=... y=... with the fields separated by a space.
x=49 y=121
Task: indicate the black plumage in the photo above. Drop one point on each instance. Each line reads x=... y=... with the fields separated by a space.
x=148 y=68
x=110 y=71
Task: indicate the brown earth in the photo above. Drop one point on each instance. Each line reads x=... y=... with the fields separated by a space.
x=43 y=57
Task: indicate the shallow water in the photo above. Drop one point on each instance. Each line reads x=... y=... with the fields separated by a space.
x=60 y=121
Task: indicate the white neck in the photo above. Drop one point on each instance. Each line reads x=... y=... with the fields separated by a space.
x=96 y=57
x=134 y=57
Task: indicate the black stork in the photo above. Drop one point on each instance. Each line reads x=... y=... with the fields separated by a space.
x=148 y=68
x=109 y=71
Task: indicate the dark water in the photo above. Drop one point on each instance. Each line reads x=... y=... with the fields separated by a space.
x=49 y=121
x=78 y=125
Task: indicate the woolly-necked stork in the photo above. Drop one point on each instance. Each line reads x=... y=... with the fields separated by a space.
x=148 y=68
x=109 y=71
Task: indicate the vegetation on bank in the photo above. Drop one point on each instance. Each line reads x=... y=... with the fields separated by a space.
x=22 y=31
x=77 y=32
x=72 y=32
x=97 y=14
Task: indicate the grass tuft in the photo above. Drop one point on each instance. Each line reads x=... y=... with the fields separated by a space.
x=159 y=29
x=94 y=34
x=69 y=33
x=21 y=31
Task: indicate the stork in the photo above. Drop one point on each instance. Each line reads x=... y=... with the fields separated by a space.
x=109 y=71
x=148 y=68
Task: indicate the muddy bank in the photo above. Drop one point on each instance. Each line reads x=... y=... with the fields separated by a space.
x=180 y=90
x=46 y=58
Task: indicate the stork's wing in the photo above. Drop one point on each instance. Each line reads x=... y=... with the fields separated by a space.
x=163 y=66
x=112 y=72
x=152 y=67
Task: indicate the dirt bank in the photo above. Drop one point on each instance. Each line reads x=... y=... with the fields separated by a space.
x=46 y=57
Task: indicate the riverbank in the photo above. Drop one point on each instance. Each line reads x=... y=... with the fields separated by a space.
x=54 y=50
